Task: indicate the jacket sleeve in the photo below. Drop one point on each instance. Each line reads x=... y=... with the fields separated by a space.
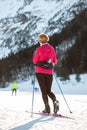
x=36 y=56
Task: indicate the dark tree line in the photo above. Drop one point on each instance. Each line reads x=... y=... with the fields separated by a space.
x=12 y=65
x=75 y=58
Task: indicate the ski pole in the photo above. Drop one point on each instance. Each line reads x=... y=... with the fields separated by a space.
x=63 y=94
x=33 y=97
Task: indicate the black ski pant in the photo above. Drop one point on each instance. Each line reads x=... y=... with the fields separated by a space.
x=14 y=90
x=45 y=83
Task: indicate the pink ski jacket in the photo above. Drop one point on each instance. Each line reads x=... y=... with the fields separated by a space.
x=44 y=53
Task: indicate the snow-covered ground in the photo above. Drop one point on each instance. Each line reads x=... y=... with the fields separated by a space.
x=14 y=115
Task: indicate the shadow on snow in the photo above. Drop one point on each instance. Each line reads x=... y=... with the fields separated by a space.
x=30 y=124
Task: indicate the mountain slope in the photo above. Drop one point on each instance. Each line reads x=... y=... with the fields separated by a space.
x=23 y=20
x=70 y=44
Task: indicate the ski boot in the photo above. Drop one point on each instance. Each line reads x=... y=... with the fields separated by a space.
x=47 y=109
x=56 y=106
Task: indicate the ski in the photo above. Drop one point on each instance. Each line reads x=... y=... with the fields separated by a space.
x=52 y=114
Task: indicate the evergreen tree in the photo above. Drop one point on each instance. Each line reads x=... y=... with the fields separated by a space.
x=64 y=74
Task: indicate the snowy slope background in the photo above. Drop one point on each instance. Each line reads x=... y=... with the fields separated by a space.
x=22 y=20
x=14 y=110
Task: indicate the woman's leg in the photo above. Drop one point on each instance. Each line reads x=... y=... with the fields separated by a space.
x=42 y=84
x=48 y=80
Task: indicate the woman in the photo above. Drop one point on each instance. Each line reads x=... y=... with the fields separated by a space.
x=44 y=58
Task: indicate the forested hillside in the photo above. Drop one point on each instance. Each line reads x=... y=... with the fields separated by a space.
x=70 y=45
